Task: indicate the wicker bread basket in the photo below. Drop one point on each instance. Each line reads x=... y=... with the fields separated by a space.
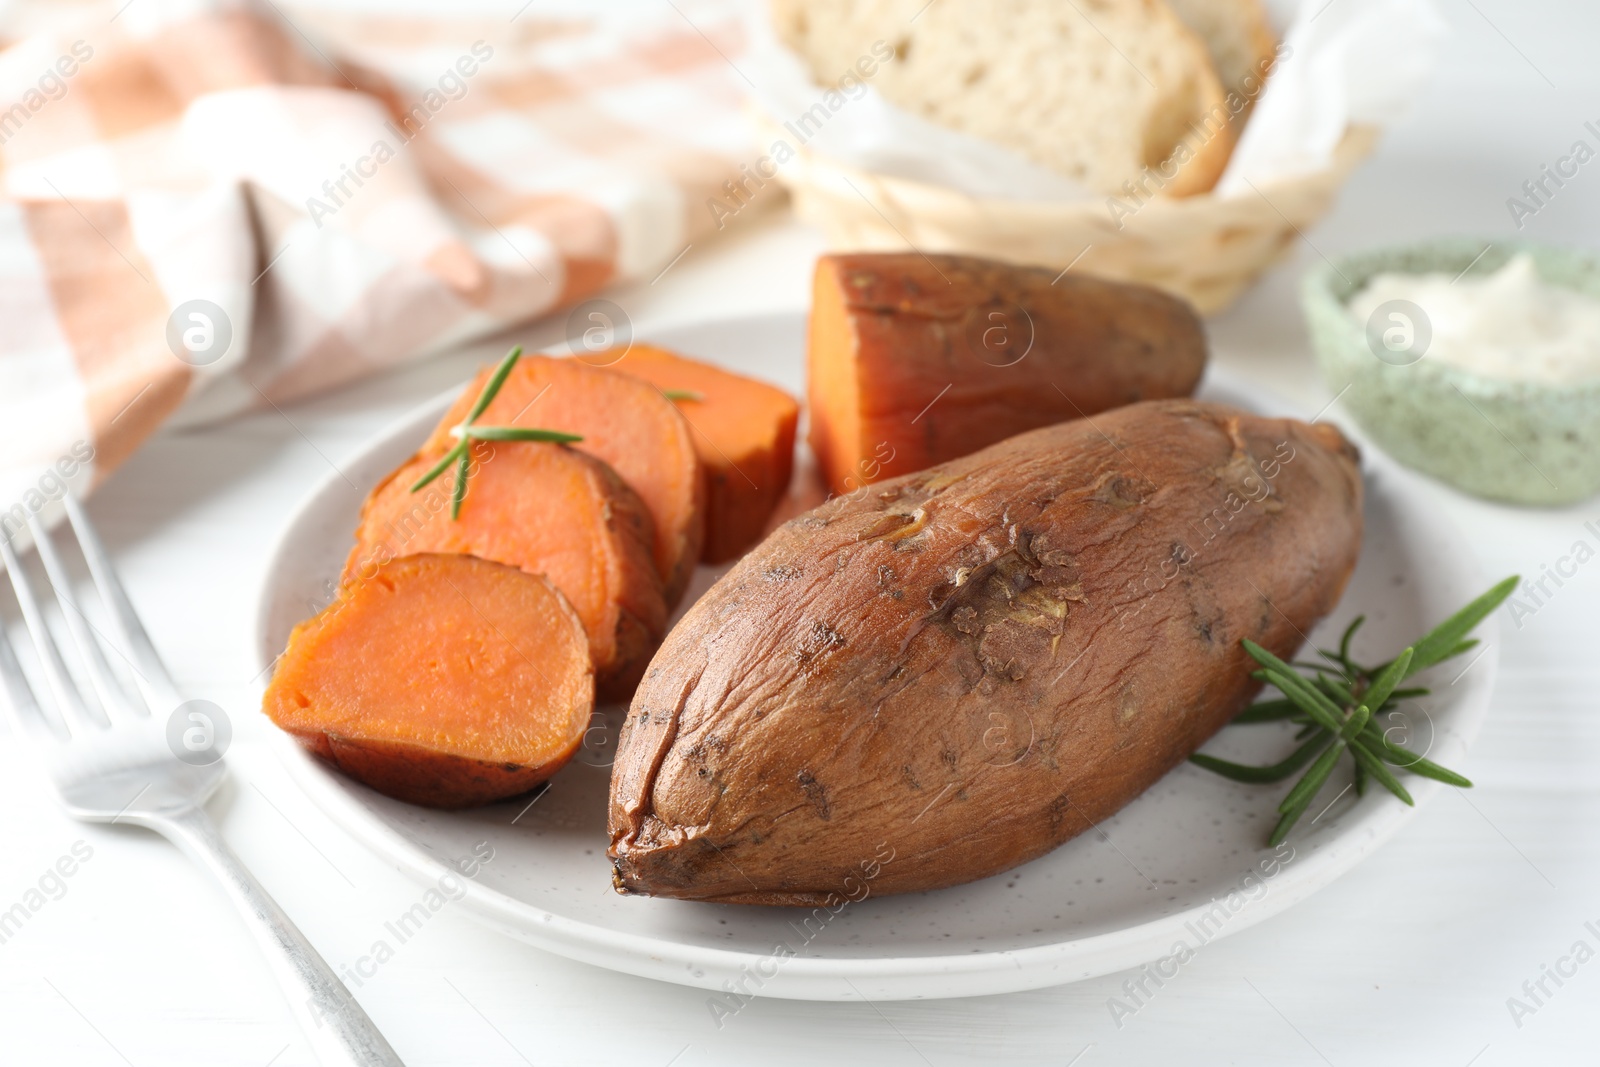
x=1204 y=248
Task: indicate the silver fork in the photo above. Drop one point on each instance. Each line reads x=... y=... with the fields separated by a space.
x=112 y=762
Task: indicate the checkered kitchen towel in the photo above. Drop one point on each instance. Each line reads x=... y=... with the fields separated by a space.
x=207 y=207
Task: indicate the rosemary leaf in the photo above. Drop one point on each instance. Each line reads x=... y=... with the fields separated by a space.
x=438 y=468
x=1262 y=656
x=1332 y=695
x=1338 y=692
x=1267 y=711
x=518 y=433
x=1313 y=703
x=1443 y=641
x=1344 y=641
x=1383 y=685
x=1374 y=767
x=1276 y=772
x=1404 y=758
x=1286 y=823
x=682 y=394
x=463 y=466
x=491 y=390
x=1355 y=724
x=1428 y=769
x=1307 y=787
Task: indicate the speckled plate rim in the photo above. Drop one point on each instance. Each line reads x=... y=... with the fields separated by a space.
x=1360 y=832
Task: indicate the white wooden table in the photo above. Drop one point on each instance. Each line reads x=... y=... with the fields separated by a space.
x=1409 y=959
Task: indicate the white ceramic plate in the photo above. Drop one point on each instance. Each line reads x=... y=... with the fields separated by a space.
x=1184 y=862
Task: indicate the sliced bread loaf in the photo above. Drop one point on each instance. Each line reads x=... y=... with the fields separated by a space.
x=1102 y=91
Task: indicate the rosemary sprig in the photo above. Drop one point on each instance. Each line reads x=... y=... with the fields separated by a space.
x=1337 y=709
x=460 y=456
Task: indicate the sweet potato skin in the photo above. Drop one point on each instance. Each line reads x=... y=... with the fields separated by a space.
x=424 y=776
x=967 y=666
x=442 y=680
x=916 y=360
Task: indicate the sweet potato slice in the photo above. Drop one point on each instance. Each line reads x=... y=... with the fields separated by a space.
x=743 y=432
x=549 y=510
x=441 y=680
x=957 y=671
x=915 y=360
x=624 y=421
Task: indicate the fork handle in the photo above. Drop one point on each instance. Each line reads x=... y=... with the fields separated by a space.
x=338 y=1030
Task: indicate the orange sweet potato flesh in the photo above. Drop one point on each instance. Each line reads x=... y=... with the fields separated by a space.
x=442 y=680
x=914 y=360
x=744 y=433
x=549 y=510
x=624 y=421
x=964 y=667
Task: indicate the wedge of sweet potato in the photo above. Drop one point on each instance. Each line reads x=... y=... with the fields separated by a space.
x=442 y=680
x=962 y=668
x=624 y=421
x=914 y=360
x=550 y=510
x=744 y=433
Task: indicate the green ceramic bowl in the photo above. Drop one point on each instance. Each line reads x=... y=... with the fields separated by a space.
x=1524 y=442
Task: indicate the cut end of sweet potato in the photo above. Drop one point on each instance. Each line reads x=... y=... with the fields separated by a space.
x=550 y=510
x=441 y=680
x=624 y=421
x=833 y=388
x=744 y=434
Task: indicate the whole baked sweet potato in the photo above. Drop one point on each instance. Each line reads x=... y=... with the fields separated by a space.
x=964 y=667
x=913 y=360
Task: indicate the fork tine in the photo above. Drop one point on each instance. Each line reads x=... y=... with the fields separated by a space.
x=107 y=688
x=26 y=716
x=69 y=703
x=156 y=683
